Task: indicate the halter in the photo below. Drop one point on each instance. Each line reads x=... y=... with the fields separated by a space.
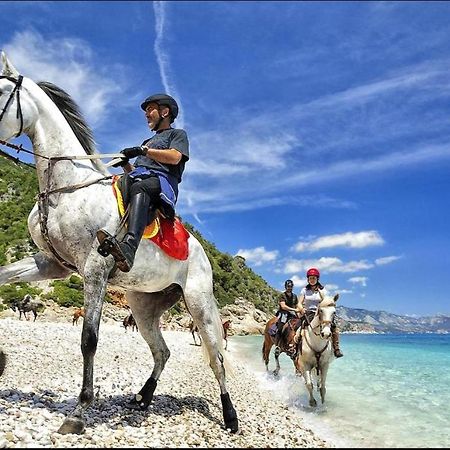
x=15 y=91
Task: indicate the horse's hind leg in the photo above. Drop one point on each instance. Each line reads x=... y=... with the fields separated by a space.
x=203 y=309
x=147 y=309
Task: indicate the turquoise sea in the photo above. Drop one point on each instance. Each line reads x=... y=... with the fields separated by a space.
x=389 y=390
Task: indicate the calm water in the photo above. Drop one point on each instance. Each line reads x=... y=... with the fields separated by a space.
x=387 y=391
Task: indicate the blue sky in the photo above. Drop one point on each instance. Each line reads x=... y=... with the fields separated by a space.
x=319 y=131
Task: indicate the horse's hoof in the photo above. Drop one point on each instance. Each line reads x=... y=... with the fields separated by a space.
x=232 y=425
x=137 y=402
x=72 y=425
x=231 y=420
x=312 y=403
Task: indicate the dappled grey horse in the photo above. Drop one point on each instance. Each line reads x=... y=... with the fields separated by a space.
x=27 y=304
x=75 y=200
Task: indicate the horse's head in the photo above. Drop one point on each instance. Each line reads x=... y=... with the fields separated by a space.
x=17 y=108
x=14 y=305
x=325 y=312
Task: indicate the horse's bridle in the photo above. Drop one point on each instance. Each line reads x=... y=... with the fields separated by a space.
x=15 y=91
x=43 y=197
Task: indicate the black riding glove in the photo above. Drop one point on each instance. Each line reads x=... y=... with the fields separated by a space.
x=132 y=152
x=122 y=163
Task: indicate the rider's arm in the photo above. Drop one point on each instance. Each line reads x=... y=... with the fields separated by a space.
x=285 y=307
x=165 y=156
x=301 y=304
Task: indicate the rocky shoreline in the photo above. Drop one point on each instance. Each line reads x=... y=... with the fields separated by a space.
x=43 y=377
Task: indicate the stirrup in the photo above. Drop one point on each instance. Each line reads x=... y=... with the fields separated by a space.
x=107 y=242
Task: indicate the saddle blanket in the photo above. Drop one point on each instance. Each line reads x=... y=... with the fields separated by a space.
x=170 y=236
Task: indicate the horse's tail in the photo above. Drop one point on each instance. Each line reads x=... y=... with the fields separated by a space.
x=2 y=362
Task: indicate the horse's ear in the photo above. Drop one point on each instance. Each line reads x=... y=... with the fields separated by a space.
x=336 y=298
x=8 y=69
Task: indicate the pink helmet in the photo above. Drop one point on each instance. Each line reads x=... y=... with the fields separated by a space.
x=313 y=272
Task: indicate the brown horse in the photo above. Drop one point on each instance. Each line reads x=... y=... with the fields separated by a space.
x=79 y=312
x=129 y=321
x=226 y=326
x=194 y=331
x=284 y=344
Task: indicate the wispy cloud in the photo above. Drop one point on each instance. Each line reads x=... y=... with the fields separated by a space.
x=326 y=264
x=361 y=239
x=163 y=58
x=329 y=130
x=258 y=256
x=386 y=260
x=70 y=64
x=359 y=280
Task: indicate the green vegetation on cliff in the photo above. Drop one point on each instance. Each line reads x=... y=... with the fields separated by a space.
x=18 y=190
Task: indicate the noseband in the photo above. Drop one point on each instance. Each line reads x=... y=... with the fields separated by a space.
x=15 y=91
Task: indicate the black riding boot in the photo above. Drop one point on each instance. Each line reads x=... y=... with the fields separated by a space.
x=124 y=251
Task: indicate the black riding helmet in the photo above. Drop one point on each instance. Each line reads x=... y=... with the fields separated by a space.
x=163 y=100
x=288 y=283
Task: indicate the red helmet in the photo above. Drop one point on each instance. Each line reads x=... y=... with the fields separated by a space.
x=313 y=272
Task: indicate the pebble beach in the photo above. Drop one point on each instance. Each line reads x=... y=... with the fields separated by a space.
x=43 y=377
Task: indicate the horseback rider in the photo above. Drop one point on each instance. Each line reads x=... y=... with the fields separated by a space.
x=155 y=176
x=287 y=307
x=310 y=297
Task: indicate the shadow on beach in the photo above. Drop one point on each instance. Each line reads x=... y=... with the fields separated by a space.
x=113 y=410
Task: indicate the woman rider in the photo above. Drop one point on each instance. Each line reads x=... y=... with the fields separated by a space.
x=310 y=297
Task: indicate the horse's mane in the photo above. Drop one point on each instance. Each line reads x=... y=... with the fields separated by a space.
x=69 y=109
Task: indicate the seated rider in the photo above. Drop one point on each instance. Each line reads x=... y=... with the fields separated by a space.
x=287 y=307
x=310 y=297
x=154 y=178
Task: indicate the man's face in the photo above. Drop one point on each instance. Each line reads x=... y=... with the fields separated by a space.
x=289 y=287
x=153 y=112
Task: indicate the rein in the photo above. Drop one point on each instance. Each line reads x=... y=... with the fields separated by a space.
x=43 y=197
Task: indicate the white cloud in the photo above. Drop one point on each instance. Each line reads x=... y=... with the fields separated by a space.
x=163 y=58
x=386 y=260
x=70 y=64
x=326 y=264
x=258 y=255
x=359 y=280
x=352 y=240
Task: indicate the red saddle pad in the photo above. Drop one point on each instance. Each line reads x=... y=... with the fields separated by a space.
x=172 y=238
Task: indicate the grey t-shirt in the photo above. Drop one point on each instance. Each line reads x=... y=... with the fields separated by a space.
x=172 y=138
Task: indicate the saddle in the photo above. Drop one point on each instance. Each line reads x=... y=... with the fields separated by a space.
x=289 y=346
x=166 y=231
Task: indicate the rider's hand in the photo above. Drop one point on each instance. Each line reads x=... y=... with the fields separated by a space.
x=122 y=163
x=132 y=152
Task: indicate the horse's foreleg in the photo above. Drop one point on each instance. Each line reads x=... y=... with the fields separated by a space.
x=96 y=272
x=309 y=387
x=203 y=308
x=323 y=377
x=34 y=268
x=277 y=361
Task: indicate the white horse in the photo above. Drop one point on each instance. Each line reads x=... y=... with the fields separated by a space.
x=75 y=200
x=316 y=348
